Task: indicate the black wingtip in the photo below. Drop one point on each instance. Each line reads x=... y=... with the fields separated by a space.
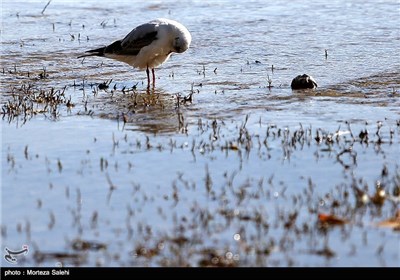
x=113 y=48
x=95 y=52
x=99 y=51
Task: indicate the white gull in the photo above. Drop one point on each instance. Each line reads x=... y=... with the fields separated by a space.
x=148 y=45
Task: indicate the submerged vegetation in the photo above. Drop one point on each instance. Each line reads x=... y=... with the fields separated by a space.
x=243 y=218
x=222 y=209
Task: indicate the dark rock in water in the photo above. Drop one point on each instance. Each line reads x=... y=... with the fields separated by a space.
x=303 y=81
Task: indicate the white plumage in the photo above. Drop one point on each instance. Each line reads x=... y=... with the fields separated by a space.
x=148 y=45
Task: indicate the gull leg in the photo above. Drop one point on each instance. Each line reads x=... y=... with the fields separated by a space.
x=154 y=77
x=148 y=76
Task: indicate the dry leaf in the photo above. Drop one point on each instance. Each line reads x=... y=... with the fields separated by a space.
x=331 y=219
x=393 y=222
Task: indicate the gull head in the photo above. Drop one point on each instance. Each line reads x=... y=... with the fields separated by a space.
x=182 y=37
x=182 y=42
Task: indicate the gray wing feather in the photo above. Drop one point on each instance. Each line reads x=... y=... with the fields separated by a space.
x=141 y=36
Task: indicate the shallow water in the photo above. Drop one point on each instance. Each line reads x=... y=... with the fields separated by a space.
x=234 y=177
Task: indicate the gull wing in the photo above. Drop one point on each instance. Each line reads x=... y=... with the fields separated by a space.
x=141 y=36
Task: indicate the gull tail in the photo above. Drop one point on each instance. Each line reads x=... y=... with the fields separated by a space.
x=114 y=48
x=95 y=52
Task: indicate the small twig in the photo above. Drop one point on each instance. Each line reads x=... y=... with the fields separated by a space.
x=269 y=82
x=44 y=9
